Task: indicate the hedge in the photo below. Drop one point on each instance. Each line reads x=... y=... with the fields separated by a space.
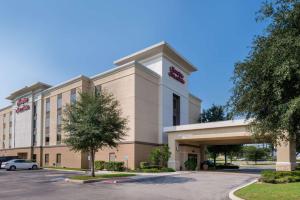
x=110 y=166
x=269 y=176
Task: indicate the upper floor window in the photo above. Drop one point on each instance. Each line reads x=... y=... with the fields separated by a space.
x=59 y=101
x=59 y=117
x=48 y=105
x=98 y=89
x=73 y=95
x=10 y=116
x=176 y=110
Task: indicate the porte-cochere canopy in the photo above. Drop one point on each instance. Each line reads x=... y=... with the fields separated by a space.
x=185 y=140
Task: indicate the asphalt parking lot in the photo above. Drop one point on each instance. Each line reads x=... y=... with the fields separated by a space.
x=49 y=185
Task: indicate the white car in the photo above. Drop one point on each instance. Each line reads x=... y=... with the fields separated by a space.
x=19 y=164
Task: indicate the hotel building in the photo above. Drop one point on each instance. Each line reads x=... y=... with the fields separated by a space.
x=151 y=86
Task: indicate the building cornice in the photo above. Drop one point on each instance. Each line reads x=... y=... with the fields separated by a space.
x=66 y=83
x=162 y=47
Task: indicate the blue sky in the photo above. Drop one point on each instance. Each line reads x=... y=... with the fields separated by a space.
x=53 y=41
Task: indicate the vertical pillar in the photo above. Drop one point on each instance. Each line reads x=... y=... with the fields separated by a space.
x=203 y=153
x=286 y=156
x=174 y=161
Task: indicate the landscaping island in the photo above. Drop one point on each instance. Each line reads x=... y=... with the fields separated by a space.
x=273 y=185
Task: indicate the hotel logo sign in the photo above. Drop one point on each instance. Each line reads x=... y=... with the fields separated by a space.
x=177 y=75
x=22 y=104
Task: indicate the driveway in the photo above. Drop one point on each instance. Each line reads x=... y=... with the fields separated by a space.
x=49 y=185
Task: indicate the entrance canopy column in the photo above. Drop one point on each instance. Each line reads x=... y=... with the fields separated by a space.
x=174 y=160
x=286 y=156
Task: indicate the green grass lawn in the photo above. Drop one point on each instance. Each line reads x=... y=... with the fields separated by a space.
x=101 y=176
x=266 y=191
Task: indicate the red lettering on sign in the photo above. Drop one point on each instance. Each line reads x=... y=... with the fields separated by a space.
x=22 y=101
x=21 y=106
x=177 y=75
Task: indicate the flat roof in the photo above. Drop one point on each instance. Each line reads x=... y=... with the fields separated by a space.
x=162 y=47
x=208 y=125
x=26 y=89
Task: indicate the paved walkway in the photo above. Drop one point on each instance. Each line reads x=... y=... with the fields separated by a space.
x=48 y=185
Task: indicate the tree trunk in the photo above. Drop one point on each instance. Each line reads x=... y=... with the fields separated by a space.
x=225 y=155
x=215 y=159
x=92 y=155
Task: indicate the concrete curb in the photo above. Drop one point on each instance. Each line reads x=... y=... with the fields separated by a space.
x=132 y=179
x=84 y=181
x=65 y=170
x=231 y=193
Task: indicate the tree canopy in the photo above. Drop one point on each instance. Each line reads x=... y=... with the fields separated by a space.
x=92 y=123
x=214 y=113
x=267 y=81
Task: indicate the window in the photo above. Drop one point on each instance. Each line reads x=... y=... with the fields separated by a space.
x=46 y=159
x=176 y=110
x=34 y=157
x=59 y=118
x=10 y=116
x=47 y=139
x=58 y=159
x=112 y=157
x=47 y=122
x=48 y=105
x=58 y=135
x=59 y=101
x=97 y=89
x=73 y=95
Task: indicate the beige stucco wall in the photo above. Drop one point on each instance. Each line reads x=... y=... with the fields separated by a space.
x=4 y=132
x=122 y=151
x=68 y=158
x=142 y=152
x=146 y=104
x=194 y=109
x=80 y=85
x=121 y=85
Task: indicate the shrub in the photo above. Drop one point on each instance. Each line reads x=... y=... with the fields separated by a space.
x=227 y=167
x=159 y=156
x=190 y=164
x=166 y=169
x=269 y=176
x=144 y=165
x=99 y=164
x=114 y=166
x=151 y=170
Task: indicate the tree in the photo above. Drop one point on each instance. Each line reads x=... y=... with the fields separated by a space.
x=214 y=151
x=267 y=82
x=217 y=113
x=214 y=113
x=159 y=156
x=92 y=123
x=232 y=151
x=252 y=153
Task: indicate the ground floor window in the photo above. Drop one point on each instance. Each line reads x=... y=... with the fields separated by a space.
x=58 y=159
x=112 y=157
x=46 y=159
x=34 y=157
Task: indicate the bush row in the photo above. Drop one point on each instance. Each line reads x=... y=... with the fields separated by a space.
x=110 y=166
x=280 y=177
x=227 y=166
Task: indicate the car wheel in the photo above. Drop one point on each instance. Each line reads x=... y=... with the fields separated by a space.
x=34 y=167
x=12 y=168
